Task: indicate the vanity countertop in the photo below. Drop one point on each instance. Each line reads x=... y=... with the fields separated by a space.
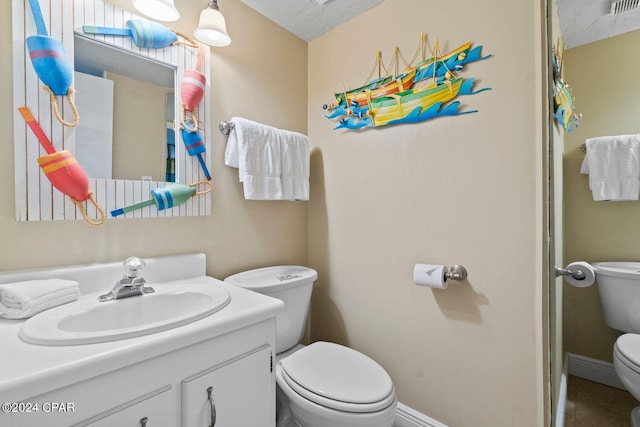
x=24 y=368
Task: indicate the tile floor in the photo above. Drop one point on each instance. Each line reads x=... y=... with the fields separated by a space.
x=591 y=404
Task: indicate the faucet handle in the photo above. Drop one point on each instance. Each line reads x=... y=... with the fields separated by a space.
x=132 y=266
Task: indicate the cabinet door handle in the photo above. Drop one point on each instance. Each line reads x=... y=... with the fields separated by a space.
x=213 y=406
x=143 y=422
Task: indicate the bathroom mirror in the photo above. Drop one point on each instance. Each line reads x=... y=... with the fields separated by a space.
x=36 y=199
x=124 y=98
x=584 y=342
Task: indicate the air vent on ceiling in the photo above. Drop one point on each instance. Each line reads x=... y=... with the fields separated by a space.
x=621 y=6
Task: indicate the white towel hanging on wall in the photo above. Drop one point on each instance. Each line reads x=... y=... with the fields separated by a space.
x=613 y=165
x=273 y=164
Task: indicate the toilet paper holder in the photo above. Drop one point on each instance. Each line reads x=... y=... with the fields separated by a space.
x=457 y=272
x=576 y=274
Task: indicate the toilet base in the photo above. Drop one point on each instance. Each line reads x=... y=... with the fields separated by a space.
x=284 y=417
x=635 y=417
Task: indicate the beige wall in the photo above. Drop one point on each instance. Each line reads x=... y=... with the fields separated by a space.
x=261 y=81
x=603 y=76
x=464 y=189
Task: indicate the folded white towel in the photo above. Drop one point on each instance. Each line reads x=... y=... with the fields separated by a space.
x=614 y=167
x=20 y=300
x=295 y=165
x=273 y=163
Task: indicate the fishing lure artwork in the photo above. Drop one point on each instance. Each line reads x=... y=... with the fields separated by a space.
x=167 y=197
x=195 y=147
x=146 y=34
x=50 y=63
x=63 y=170
x=192 y=88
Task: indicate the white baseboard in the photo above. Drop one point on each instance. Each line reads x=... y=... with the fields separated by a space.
x=594 y=370
x=408 y=417
x=574 y=364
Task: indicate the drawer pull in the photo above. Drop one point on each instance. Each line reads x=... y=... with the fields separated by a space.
x=213 y=406
x=143 y=422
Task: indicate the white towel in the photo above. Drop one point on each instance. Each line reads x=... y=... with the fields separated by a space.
x=273 y=163
x=295 y=166
x=614 y=167
x=20 y=300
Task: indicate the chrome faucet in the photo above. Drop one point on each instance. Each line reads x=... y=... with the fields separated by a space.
x=131 y=283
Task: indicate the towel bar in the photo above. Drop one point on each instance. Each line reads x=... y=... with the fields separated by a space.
x=226 y=127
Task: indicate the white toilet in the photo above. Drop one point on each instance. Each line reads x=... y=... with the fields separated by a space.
x=322 y=384
x=619 y=288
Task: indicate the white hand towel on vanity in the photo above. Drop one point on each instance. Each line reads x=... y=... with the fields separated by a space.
x=273 y=163
x=614 y=167
x=24 y=299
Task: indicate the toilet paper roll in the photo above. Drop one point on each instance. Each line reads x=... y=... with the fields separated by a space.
x=587 y=270
x=429 y=275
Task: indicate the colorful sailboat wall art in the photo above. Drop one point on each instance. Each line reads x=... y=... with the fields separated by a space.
x=564 y=102
x=426 y=88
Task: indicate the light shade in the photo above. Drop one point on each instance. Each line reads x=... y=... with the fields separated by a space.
x=212 y=29
x=162 y=10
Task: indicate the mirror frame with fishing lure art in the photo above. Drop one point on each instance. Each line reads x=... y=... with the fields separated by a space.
x=35 y=198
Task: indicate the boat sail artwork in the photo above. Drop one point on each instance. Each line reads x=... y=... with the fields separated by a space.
x=563 y=99
x=420 y=92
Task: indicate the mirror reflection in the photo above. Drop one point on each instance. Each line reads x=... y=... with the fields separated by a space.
x=600 y=67
x=127 y=104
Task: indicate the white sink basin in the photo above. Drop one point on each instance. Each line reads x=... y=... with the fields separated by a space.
x=89 y=321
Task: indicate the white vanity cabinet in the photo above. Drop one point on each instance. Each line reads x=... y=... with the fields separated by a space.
x=154 y=380
x=170 y=390
x=151 y=411
x=230 y=394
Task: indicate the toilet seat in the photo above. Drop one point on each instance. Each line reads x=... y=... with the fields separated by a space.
x=339 y=378
x=627 y=351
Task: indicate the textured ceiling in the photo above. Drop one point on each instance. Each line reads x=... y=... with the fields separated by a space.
x=581 y=21
x=586 y=21
x=306 y=18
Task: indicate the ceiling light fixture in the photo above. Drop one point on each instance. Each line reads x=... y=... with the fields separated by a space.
x=162 y=10
x=212 y=29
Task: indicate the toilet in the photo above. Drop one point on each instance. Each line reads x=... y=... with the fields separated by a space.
x=322 y=384
x=619 y=288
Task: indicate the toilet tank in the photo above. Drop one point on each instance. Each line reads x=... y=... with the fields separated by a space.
x=619 y=289
x=290 y=283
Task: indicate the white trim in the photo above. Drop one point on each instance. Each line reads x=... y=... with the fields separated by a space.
x=594 y=370
x=408 y=417
x=561 y=406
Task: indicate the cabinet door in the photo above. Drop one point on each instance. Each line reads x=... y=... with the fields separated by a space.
x=241 y=393
x=153 y=411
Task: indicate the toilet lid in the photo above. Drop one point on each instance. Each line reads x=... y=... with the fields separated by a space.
x=628 y=347
x=339 y=377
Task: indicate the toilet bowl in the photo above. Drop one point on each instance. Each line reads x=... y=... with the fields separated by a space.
x=619 y=288
x=322 y=384
x=626 y=361
x=328 y=384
